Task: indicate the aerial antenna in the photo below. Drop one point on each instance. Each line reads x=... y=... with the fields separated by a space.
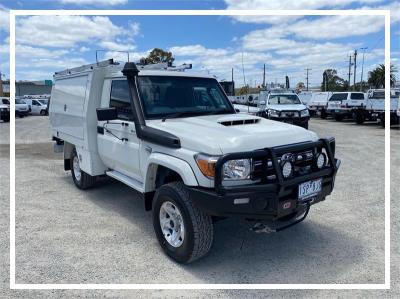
x=245 y=86
x=97 y=61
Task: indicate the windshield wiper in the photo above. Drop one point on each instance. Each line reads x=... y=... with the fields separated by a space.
x=180 y=114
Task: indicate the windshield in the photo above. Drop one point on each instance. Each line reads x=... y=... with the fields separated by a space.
x=168 y=97
x=357 y=96
x=338 y=97
x=283 y=99
x=18 y=101
x=378 y=95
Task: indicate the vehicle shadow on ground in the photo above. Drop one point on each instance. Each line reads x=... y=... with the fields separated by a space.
x=237 y=252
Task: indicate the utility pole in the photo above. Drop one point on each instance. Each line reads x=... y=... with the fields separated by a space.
x=232 y=74
x=307 y=69
x=1 y=85
x=349 y=71
x=264 y=77
x=362 y=68
x=355 y=69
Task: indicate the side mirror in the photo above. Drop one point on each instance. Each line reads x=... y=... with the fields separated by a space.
x=106 y=113
x=237 y=110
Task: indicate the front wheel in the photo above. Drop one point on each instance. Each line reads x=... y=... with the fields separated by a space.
x=184 y=232
x=43 y=112
x=82 y=180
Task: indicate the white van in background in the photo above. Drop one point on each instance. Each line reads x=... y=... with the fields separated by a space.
x=37 y=106
x=341 y=105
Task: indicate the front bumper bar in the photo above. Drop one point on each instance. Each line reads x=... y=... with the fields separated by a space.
x=266 y=200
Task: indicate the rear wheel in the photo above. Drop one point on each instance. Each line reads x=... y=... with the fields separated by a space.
x=338 y=117
x=323 y=114
x=184 y=232
x=81 y=179
x=358 y=118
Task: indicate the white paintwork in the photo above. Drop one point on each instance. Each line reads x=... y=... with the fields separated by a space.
x=246 y=109
x=319 y=100
x=135 y=161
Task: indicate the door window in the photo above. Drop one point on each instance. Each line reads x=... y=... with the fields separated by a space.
x=119 y=99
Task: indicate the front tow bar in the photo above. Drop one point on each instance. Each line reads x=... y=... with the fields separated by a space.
x=260 y=227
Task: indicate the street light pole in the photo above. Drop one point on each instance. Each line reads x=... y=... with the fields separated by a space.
x=362 y=67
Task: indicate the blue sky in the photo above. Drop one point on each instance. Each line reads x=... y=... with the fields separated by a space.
x=214 y=44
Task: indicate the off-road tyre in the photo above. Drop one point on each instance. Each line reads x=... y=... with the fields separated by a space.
x=86 y=181
x=323 y=114
x=339 y=117
x=198 y=235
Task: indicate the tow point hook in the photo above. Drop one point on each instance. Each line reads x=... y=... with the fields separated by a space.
x=260 y=227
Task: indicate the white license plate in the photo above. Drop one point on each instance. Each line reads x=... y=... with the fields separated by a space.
x=310 y=189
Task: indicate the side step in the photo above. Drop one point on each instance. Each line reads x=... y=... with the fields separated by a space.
x=131 y=182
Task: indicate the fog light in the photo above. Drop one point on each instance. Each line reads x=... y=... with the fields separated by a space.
x=287 y=169
x=321 y=160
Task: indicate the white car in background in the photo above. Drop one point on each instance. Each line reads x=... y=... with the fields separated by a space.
x=37 y=106
x=21 y=108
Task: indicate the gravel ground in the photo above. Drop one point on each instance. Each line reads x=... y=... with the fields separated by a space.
x=103 y=235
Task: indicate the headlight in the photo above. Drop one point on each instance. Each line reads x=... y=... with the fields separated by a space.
x=304 y=113
x=273 y=113
x=237 y=169
x=206 y=164
x=287 y=169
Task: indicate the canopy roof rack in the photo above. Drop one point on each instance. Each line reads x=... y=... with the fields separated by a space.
x=156 y=66
x=86 y=67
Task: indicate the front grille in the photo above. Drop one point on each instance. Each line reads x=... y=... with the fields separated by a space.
x=289 y=114
x=303 y=161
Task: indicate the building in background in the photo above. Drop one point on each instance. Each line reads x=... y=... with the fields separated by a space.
x=33 y=87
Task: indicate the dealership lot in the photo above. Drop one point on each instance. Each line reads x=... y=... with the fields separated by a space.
x=103 y=235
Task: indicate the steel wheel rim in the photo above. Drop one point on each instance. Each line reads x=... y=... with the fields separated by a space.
x=171 y=223
x=77 y=168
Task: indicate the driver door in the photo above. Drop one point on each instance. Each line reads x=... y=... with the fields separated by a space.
x=118 y=144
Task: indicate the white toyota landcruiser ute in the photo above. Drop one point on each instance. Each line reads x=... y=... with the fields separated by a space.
x=285 y=107
x=176 y=139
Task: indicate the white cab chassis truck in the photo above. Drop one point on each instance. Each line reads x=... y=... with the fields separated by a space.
x=375 y=106
x=176 y=139
x=319 y=103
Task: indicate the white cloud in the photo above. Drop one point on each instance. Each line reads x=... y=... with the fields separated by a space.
x=134 y=28
x=4 y=19
x=196 y=50
x=293 y=4
x=23 y=51
x=115 y=46
x=65 y=31
x=94 y=2
x=337 y=26
x=84 y=49
x=286 y=5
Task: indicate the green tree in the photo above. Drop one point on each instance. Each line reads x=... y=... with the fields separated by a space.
x=376 y=77
x=332 y=82
x=157 y=55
